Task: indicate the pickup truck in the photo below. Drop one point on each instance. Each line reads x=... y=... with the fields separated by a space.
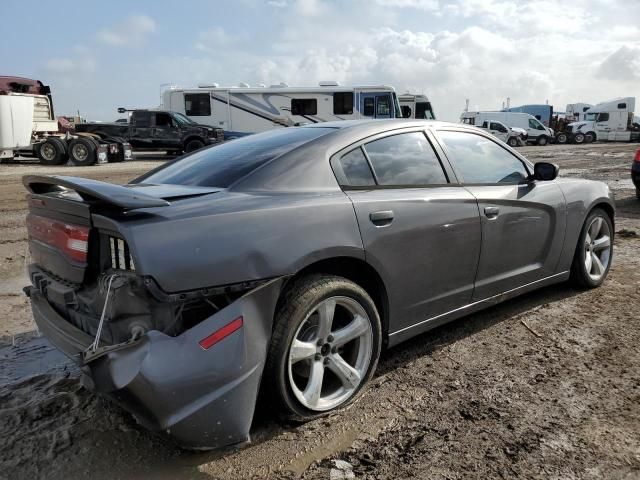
x=514 y=137
x=157 y=130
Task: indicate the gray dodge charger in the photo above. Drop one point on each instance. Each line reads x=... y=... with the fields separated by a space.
x=283 y=262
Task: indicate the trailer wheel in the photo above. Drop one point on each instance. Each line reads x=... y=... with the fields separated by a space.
x=193 y=145
x=562 y=138
x=82 y=151
x=51 y=152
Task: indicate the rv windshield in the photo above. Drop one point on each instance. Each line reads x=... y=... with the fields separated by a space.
x=396 y=105
x=183 y=119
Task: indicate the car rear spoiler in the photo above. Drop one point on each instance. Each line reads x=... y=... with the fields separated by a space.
x=93 y=190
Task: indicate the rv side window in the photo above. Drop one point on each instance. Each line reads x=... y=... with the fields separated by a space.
x=369 y=107
x=197 y=104
x=622 y=105
x=141 y=119
x=485 y=124
x=304 y=106
x=343 y=103
x=383 y=107
x=423 y=110
x=602 y=117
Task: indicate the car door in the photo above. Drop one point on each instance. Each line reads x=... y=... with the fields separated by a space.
x=498 y=130
x=523 y=221
x=140 y=135
x=166 y=132
x=420 y=229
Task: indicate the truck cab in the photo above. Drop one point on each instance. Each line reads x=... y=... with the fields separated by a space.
x=611 y=121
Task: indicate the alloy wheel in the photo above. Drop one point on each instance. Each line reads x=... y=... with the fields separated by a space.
x=330 y=353
x=597 y=248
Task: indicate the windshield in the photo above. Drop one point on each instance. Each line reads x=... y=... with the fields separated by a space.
x=183 y=119
x=223 y=165
x=396 y=105
x=590 y=117
x=424 y=111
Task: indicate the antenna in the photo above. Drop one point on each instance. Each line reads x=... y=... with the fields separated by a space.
x=466 y=105
x=508 y=102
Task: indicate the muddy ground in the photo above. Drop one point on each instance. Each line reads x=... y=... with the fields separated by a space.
x=544 y=386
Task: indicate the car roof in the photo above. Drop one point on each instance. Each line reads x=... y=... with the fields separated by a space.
x=382 y=123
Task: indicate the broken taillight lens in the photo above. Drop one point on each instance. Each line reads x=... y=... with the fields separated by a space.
x=72 y=240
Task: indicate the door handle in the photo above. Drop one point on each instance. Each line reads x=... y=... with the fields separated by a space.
x=381 y=218
x=491 y=212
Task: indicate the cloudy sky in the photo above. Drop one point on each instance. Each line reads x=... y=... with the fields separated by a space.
x=99 y=56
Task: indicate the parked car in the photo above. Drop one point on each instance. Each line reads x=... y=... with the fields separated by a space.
x=287 y=260
x=635 y=173
x=157 y=130
x=510 y=136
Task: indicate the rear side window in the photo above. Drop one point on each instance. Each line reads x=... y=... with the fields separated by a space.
x=304 y=106
x=405 y=159
x=222 y=165
x=622 y=105
x=343 y=103
x=481 y=160
x=352 y=169
x=141 y=119
x=197 y=104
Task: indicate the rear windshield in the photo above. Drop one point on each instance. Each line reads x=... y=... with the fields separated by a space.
x=222 y=165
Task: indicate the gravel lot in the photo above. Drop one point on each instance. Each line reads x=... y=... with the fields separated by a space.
x=544 y=386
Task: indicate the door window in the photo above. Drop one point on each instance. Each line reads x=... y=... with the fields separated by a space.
x=480 y=160
x=383 y=108
x=141 y=119
x=197 y=104
x=405 y=159
x=343 y=103
x=485 y=124
x=163 y=120
x=304 y=106
x=602 y=117
x=352 y=169
x=369 y=107
x=498 y=126
x=535 y=124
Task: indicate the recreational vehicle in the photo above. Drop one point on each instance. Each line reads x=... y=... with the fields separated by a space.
x=244 y=110
x=416 y=106
x=536 y=131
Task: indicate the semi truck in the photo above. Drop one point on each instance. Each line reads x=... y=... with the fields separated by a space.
x=611 y=121
x=29 y=127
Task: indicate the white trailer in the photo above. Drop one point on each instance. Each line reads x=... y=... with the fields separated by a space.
x=416 y=106
x=244 y=110
x=536 y=131
x=611 y=121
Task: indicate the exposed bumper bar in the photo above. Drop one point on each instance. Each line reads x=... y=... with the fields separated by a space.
x=202 y=398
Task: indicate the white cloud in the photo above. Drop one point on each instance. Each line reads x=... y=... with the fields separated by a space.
x=428 y=5
x=622 y=65
x=132 y=31
x=214 y=38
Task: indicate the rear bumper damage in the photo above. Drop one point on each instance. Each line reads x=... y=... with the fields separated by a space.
x=202 y=397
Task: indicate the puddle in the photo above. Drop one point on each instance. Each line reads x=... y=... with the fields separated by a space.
x=35 y=356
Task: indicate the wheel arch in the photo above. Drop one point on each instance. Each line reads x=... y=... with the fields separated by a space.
x=358 y=271
x=192 y=136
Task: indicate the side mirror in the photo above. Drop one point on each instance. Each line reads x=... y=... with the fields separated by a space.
x=406 y=111
x=545 y=171
x=122 y=110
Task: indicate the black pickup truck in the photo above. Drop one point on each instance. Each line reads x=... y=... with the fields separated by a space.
x=154 y=130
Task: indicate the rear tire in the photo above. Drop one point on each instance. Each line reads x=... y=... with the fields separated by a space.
x=52 y=151
x=193 y=145
x=82 y=151
x=334 y=358
x=594 y=252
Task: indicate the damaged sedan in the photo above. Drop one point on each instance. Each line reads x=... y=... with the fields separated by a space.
x=282 y=263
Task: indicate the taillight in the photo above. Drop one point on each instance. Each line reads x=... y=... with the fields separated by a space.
x=72 y=240
x=637 y=157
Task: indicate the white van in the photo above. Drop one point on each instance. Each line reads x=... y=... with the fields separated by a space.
x=244 y=110
x=536 y=131
x=416 y=106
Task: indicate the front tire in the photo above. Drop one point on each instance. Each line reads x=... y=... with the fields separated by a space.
x=512 y=142
x=193 y=145
x=592 y=259
x=325 y=347
x=542 y=140
x=579 y=138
